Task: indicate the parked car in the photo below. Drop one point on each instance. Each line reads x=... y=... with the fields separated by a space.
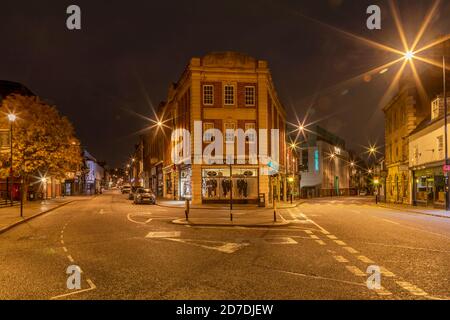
x=143 y=195
x=126 y=189
x=363 y=193
x=132 y=192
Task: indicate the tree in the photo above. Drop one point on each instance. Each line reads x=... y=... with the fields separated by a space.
x=44 y=142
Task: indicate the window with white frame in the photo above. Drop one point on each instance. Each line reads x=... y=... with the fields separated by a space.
x=440 y=146
x=229 y=95
x=251 y=138
x=250 y=96
x=208 y=95
x=207 y=137
x=229 y=136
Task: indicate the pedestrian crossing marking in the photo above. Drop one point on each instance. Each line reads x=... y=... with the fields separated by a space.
x=332 y=237
x=340 y=259
x=322 y=243
x=365 y=259
x=356 y=271
x=351 y=250
x=411 y=288
x=339 y=242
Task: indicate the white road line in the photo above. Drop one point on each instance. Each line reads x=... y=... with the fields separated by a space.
x=308 y=231
x=91 y=287
x=322 y=278
x=280 y=240
x=332 y=237
x=70 y=258
x=365 y=259
x=322 y=243
x=314 y=237
x=102 y=211
x=383 y=292
x=340 y=259
x=386 y=272
x=149 y=220
x=163 y=234
x=411 y=288
x=65 y=249
x=351 y=250
x=393 y=222
x=224 y=247
x=356 y=271
x=339 y=242
x=62 y=241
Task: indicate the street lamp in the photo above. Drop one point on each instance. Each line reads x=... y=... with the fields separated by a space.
x=409 y=55
x=44 y=186
x=12 y=118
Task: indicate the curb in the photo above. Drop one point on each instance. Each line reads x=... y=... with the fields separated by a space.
x=412 y=211
x=188 y=223
x=15 y=224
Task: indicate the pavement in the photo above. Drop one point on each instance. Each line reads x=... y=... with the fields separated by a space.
x=418 y=210
x=10 y=216
x=135 y=252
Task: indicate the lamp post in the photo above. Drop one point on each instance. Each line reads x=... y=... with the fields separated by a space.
x=12 y=118
x=444 y=85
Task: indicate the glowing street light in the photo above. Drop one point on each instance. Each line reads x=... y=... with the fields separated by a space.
x=409 y=55
x=12 y=117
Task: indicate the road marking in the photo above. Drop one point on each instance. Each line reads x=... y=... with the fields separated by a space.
x=332 y=237
x=351 y=250
x=393 y=222
x=280 y=240
x=356 y=271
x=149 y=220
x=411 y=288
x=365 y=259
x=164 y=234
x=339 y=242
x=70 y=258
x=308 y=231
x=91 y=287
x=325 y=232
x=102 y=211
x=386 y=272
x=322 y=243
x=224 y=247
x=407 y=247
x=383 y=292
x=65 y=249
x=321 y=278
x=314 y=237
x=340 y=259
x=62 y=241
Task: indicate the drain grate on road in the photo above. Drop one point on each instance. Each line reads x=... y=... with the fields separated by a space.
x=280 y=240
x=163 y=234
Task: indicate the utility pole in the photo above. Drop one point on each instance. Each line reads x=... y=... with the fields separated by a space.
x=444 y=84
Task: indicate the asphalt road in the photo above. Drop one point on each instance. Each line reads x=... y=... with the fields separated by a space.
x=135 y=252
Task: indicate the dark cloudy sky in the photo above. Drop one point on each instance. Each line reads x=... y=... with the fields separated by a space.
x=129 y=49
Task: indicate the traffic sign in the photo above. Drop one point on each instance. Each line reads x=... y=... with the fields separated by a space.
x=446 y=168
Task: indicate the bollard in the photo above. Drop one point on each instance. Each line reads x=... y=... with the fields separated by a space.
x=274 y=211
x=291 y=198
x=231 y=217
x=186 y=211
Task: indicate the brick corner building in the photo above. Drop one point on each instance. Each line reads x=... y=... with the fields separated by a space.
x=224 y=90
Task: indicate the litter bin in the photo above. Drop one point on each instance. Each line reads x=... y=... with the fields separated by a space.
x=262 y=200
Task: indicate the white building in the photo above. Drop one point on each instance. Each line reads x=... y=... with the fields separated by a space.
x=427 y=157
x=325 y=165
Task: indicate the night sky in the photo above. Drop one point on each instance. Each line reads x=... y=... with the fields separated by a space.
x=128 y=50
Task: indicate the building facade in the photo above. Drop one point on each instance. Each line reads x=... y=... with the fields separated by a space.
x=427 y=158
x=222 y=91
x=325 y=165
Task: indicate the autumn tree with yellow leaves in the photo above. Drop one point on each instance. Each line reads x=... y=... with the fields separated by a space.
x=44 y=142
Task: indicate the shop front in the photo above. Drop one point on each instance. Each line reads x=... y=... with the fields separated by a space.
x=221 y=184
x=429 y=187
